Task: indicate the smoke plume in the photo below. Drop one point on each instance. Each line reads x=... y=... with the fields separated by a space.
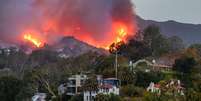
x=88 y=20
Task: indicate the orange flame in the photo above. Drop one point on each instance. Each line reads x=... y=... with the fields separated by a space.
x=118 y=33
x=121 y=32
x=33 y=40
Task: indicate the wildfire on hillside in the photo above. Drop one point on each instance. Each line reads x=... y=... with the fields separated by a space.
x=120 y=32
x=96 y=22
x=36 y=42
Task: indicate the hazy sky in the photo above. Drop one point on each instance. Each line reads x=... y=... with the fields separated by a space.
x=187 y=11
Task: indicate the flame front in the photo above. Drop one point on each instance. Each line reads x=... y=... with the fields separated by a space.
x=33 y=40
x=121 y=32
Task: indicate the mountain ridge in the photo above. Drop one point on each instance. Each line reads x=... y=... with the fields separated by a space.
x=190 y=33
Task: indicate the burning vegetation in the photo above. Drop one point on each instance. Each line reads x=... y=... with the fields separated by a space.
x=96 y=22
x=33 y=40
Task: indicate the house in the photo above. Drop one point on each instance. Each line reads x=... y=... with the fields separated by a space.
x=154 y=88
x=5 y=51
x=156 y=66
x=74 y=84
x=176 y=84
x=105 y=86
x=8 y=51
x=62 y=89
x=39 y=97
x=172 y=87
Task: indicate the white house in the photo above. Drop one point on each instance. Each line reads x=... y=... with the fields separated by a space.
x=154 y=88
x=173 y=84
x=106 y=86
x=176 y=84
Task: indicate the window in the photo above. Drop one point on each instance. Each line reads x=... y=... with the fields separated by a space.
x=71 y=89
x=72 y=82
x=81 y=82
x=79 y=89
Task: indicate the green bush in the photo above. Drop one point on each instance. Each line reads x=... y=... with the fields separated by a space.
x=131 y=91
x=144 y=78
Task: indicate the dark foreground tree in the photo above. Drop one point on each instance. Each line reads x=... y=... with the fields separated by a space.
x=10 y=88
x=158 y=43
x=77 y=98
x=134 y=50
x=184 y=64
x=144 y=78
x=153 y=43
x=197 y=47
x=111 y=97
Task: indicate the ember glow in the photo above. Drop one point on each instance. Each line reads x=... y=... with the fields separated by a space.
x=36 y=42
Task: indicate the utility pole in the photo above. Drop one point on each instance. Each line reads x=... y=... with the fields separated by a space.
x=116 y=65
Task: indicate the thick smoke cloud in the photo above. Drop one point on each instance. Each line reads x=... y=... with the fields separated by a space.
x=84 y=19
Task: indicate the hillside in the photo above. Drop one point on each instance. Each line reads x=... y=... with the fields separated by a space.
x=6 y=45
x=69 y=46
x=190 y=33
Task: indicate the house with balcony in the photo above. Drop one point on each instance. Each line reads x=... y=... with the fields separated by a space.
x=74 y=84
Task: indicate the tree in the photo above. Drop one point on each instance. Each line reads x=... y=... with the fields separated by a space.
x=184 y=67
x=192 y=95
x=42 y=57
x=131 y=91
x=191 y=53
x=153 y=44
x=197 y=47
x=45 y=79
x=176 y=44
x=134 y=50
x=25 y=93
x=114 y=97
x=144 y=78
x=195 y=78
x=126 y=76
x=152 y=97
x=105 y=66
x=77 y=98
x=184 y=64
x=10 y=88
x=13 y=59
x=84 y=62
x=102 y=97
x=158 y=43
x=114 y=47
x=110 y=97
